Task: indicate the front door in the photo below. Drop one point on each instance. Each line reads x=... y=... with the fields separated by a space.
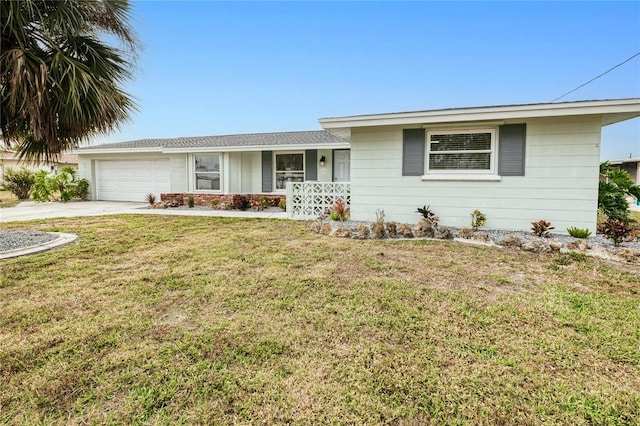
x=341 y=165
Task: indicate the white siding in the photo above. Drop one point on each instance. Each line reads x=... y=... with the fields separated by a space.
x=560 y=182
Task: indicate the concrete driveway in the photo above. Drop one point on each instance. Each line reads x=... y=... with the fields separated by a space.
x=28 y=210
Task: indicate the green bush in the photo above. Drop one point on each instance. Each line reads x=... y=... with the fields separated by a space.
x=578 y=232
x=613 y=189
x=64 y=185
x=18 y=181
x=191 y=202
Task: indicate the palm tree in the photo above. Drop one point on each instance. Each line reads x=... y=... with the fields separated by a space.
x=58 y=80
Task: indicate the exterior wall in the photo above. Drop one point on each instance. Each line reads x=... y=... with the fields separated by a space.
x=560 y=182
x=241 y=171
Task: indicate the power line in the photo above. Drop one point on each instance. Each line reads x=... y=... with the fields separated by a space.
x=597 y=77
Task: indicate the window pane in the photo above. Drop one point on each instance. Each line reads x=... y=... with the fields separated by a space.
x=289 y=162
x=283 y=177
x=208 y=181
x=207 y=163
x=461 y=142
x=470 y=161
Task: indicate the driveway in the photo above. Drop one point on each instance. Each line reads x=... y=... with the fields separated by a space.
x=28 y=210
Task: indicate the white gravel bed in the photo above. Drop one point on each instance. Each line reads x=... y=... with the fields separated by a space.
x=12 y=240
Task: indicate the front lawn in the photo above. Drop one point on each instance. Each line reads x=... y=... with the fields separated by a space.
x=194 y=320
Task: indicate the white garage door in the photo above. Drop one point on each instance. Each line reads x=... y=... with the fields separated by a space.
x=131 y=180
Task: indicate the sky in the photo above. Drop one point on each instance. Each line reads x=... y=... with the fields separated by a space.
x=215 y=68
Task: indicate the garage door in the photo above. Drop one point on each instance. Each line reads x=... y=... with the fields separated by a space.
x=131 y=180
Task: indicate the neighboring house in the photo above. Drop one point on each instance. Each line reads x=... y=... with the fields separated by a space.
x=9 y=158
x=515 y=163
x=631 y=166
x=212 y=166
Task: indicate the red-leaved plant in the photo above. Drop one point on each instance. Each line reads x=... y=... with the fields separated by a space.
x=541 y=228
x=617 y=230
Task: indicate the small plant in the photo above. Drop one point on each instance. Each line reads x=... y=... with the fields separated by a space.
x=265 y=202
x=283 y=204
x=214 y=203
x=617 y=230
x=541 y=228
x=578 y=232
x=257 y=205
x=478 y=219
x=340 y=211
x=380 y=216
x=428 y=214
x=18 y=181
x=241 y=202
x=191 y=202
x=150 y=198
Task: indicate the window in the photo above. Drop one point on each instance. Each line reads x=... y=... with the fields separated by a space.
x=207 y=172
x=289 y=168
x=461 y=151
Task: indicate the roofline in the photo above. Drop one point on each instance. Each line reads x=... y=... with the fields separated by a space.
x=186 y=150
x=629 y=107
x=626 y=160
x=291 y=147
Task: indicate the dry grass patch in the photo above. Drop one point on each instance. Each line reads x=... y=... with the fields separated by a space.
x=164 y=320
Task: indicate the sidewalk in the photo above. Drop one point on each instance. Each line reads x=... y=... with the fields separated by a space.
x=30 y=210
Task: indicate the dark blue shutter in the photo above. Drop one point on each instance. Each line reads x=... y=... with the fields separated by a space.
x=511 y=150
x=311 y=164
x=267 y=171
x=413 y=143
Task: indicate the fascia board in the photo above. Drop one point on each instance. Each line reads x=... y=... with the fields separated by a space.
x=116 y=151
x=628 y=106
x=295 y=147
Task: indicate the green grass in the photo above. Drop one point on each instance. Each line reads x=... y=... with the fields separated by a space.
x=178 y=320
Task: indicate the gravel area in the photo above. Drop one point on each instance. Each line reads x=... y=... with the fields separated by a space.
x=11 y=240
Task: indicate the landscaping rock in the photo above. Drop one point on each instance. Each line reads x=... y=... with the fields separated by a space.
x=466 y=233
x=341 y=233
x=392 y=229
x=629 y=255
x=481 y=236
x=377 y=230
x=424 y=228
x=578 y=245
x=555 y=245
x=511 y=242
x=404 y=231
x=537 y=246
x=325 y=229
x=443 y=233
x=316 y=225
x=363 y=230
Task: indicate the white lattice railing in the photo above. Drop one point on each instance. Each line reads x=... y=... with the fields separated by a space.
x=308 y=200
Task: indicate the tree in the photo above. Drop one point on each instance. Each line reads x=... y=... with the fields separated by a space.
x=18 y=181
x=613 y=190
x=59 y=81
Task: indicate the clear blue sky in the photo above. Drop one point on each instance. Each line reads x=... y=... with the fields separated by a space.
x=211 y=68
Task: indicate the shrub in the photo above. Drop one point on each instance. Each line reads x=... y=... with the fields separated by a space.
x=191 y=202
x=64 y=185
x=613 y=190
x=282 y=203
x=578 y=232
x=478 y=219
x=18 y=181
x=340 y=211
x=265 y=202
x=150 y=198
x=241 y=202
x=428 y=214
x=617 y=230
x=541 y=228
x=215 y=203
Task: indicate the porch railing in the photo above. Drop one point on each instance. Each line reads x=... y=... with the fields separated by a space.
x=308 y=200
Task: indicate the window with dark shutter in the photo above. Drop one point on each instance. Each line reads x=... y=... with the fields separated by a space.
x=511 y=161
x=412 y=152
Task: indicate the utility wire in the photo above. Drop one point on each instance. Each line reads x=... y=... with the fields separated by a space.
x=597 y=77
